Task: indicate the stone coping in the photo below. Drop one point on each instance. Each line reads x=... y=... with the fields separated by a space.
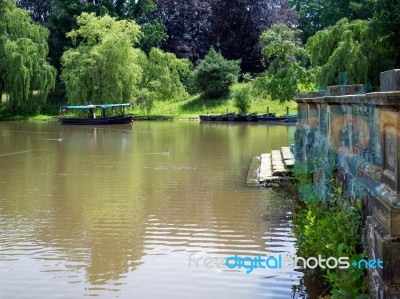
x=388 y=98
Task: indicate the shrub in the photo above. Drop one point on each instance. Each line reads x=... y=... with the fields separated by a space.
x=215 y=74
x=333 y=229
x=246 y=77
x=242 y=98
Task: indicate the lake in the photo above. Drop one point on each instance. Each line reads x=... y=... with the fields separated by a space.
x=147 y=211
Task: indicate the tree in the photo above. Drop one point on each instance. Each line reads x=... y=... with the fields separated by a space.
x=215 y=75
x=286 y=71
x=25 y=75
x=39 y=9
x=187 y=24
x=386 y=27
x=160 y=79
x=230 y=26
x=346 y=47
x=236 y=26
x=315 y=15
x=153 y=35
x=62 y=19
x=138 y=10
x=103 y=68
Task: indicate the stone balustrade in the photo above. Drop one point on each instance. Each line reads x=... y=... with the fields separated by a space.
x=352 y=138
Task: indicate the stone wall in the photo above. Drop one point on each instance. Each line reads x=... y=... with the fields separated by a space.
x=347 y=137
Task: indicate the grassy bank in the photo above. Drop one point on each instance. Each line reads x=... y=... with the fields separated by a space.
x=40 y=117
x=189 y=108
x=197 y=104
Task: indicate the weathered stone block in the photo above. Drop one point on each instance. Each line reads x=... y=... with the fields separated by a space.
x=341 y=90
x=312 y=94
x=380 y=245
x=387 y=214
x=390 y=140
x=312 y=116
x=390 y=80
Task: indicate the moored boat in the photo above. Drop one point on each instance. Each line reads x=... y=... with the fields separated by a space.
x=252 y=117
x=268 y=117
x=224 y=117
x=290 y=118
x=208 y=117
x=92 y=119
x=238 y=117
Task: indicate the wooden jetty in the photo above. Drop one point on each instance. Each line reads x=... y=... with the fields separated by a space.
x=271 y=168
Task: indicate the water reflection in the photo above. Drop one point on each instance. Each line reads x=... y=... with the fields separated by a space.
x=105 y=211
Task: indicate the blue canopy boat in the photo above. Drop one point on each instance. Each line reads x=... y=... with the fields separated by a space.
x=92 y=119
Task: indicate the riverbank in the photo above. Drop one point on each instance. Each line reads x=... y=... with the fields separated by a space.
x=39 y=117
x=195 y=105
x=188 y=109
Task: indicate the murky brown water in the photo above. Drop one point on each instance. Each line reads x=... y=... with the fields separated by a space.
x=103 y=212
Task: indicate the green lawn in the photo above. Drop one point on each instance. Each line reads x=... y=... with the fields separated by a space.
x=189 y=108
x=196 y=105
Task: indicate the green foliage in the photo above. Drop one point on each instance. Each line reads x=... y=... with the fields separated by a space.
x=315 y=15
x=63 y=13
x=246 y=77
x=25 y=75
x=345 y=47
x=153 y=35
x=283 y=50
x=333 y=229
x=385 y=27
x=160 y=78
x=215 y=75
x=153 y=31
x=242 y=98
x=103 y=68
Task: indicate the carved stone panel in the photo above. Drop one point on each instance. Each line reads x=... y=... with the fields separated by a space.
x=390 y=148
x=313 y=116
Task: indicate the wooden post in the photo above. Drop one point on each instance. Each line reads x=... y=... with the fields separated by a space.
x=287 y=110
x=267 y=110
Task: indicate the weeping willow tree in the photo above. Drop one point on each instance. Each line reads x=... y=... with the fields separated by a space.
x=26 y=77
x=346 y=47
x=161 y=78
x=103 y=68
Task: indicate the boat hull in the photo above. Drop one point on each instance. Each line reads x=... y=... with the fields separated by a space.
x=251 y=117
x=114 y=120
x=284 y=119
x=208 y=117
x=291 y=119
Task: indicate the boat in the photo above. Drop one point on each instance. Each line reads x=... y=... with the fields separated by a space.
x=224 y=117
x=269 y=117
x=290 y=119
x=229 y=117
x=252 y=117
x=92 y=119
x=237 y=117
x=208 y=117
